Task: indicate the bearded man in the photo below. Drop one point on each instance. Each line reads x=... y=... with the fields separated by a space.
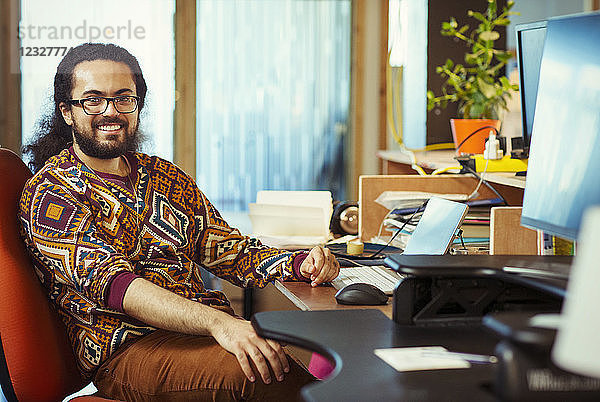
x=118 y=238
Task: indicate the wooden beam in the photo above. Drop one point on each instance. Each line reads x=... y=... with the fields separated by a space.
x=383 y=53
x=354 y=162
x=10 y=77
x=368 y=90
x=184 y=122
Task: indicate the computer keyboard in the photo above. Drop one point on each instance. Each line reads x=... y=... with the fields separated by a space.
x=378 y=275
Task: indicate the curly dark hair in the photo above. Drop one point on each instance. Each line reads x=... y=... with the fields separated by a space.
x=53 y=134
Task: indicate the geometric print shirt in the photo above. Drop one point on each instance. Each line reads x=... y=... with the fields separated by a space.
x=83 y=231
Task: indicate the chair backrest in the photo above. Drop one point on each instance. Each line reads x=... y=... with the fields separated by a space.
x=37 y=363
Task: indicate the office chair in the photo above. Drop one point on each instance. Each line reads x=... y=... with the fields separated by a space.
x=36 y=360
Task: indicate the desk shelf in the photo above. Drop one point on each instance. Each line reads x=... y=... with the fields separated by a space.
x=396 y=162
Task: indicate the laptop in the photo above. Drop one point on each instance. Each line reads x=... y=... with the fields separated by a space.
x=433 y=235
x=437 y=227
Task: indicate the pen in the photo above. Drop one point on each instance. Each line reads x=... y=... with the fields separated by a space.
x=471 y=358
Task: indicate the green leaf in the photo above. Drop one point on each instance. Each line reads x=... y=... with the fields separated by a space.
x=476 y=110
x=489 y=35
x=492 y=8
x=471 y=58
x=453 y=23
x=463 y=29
x=488 y=90
x=477 y=15
x=503 y=56
x=446 y=25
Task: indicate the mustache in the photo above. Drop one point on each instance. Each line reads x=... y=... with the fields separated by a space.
x=111 y=120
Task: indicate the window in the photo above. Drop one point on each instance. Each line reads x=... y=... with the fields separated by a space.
x=146 y=30
x=273 y=95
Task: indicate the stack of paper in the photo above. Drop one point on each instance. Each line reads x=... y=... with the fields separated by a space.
x=291 y=219
x=422 y=358
x=412 y=199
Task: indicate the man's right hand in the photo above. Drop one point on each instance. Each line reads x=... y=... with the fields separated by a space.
x=238 y=337
x=161 y=308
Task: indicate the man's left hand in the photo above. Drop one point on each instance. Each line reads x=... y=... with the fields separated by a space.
x=320 y=266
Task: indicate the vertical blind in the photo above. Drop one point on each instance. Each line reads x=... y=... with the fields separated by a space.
x=273 y=95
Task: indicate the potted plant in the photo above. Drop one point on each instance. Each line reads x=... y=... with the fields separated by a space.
x=478 y=85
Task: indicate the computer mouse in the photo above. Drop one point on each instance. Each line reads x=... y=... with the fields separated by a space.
x=361 y=294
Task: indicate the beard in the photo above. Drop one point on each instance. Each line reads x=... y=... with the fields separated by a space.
x=88 y=142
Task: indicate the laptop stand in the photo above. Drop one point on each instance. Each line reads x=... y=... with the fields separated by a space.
x=464 y=299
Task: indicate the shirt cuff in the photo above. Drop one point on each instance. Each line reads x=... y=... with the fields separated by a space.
x=116 y=291
x=298 y=260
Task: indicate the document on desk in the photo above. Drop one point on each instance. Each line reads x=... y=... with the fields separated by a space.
x=291 y=219
x=421 y=358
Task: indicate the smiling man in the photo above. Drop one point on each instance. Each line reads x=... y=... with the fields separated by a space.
x=118 y=238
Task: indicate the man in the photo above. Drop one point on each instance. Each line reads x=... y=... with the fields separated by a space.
x=118 y=237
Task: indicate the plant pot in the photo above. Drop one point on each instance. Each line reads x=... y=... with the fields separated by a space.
x=463 y=128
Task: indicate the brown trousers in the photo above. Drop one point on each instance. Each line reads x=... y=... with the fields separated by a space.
x=167 y=366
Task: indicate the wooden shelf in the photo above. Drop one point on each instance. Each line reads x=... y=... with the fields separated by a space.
x=397 y=162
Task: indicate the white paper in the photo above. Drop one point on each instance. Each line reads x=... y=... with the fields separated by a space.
x=416 y=359
x=291 y=242
x=291 y=219
x=412 y=199
x=280 y=220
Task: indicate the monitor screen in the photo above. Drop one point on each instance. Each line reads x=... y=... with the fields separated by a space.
x=563 y=175
x=530 y=43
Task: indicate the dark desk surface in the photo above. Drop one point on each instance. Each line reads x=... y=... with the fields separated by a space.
x=350 y=336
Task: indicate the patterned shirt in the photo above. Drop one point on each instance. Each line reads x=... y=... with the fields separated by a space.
x=84 y=230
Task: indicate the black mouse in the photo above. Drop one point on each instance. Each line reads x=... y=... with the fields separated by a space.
x=361 y=294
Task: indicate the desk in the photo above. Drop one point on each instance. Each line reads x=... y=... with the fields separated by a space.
x=307 y=298
x=350 y=336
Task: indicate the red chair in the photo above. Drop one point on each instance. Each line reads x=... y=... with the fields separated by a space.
x=36 y=360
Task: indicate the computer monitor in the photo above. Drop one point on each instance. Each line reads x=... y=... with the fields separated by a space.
x=564 y=159
x=530 y=43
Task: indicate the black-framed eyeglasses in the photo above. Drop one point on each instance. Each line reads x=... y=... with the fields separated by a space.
x=98 y=104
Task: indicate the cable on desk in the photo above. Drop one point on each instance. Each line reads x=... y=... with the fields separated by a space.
x=462 y=240
x=474 y=173
x=473 y=133
x=399 y=230
x=382 y=222
x=474 y=193
x=347 y=262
